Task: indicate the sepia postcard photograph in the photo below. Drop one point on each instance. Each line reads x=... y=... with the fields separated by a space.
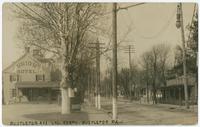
x=85 y=63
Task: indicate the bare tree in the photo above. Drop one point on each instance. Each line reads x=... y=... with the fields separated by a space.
x=59 y=28
x=123 y=77
x=146 y=69
x=155 y=65
x=164 y=56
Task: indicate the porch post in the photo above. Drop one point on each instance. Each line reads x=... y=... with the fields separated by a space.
x=17 y=94
x=166 y=95
x=49 y=95
x=180 y=98
x=31 y=94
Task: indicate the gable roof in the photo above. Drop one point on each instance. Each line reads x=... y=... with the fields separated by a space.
x=15 y=62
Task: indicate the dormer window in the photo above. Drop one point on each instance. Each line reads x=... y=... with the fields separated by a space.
x=40 y=77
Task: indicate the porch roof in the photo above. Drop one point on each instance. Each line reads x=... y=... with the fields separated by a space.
x=37 y=84
x=179 y=81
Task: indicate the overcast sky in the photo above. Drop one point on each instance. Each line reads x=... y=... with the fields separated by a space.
x=150 y=24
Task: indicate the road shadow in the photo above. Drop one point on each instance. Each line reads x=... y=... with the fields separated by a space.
x=57 y=116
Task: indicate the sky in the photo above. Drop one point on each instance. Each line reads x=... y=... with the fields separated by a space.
x=150 y=24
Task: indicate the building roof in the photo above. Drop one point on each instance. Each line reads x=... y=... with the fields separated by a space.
x=37 y=84
x=22 y=57
x=14 y=63
x=45 y=60
x=40 y=60
x=191 y=81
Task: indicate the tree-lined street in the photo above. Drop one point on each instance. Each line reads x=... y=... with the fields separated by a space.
x=86 y=72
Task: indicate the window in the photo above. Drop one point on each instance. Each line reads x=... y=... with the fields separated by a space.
x=13 y=93
x=14 y=78
x=40 y=77
x=144 y=92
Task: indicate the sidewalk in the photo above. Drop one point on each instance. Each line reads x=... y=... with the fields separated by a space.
x=108 y=101
x=193 y=108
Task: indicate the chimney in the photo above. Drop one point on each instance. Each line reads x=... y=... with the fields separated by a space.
x=37 y=53
x=27 y=49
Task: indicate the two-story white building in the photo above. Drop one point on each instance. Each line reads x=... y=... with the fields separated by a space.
x=29 y=78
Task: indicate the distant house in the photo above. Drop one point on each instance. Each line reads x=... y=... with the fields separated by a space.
x=30 y=78
x=145 y=94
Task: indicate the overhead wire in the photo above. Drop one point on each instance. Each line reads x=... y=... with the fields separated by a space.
x=160 y=32
x=145 y=37
x=130 y=6
x=120 y=8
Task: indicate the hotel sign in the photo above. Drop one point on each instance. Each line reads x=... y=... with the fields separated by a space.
x=26 y=71
x=27 y=67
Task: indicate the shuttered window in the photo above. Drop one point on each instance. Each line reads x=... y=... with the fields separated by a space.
x=40 y=77
x=14 y=78
x=12 y=92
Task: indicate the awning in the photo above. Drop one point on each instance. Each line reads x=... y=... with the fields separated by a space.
x=37 y=84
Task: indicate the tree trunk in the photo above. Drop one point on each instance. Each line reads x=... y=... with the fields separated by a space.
x=64 y=87
x=95 y=95
x=154 y=89
x=65 y=107
x=196 y=87
x=147 y=92
x=154 y=95
x=96 y=100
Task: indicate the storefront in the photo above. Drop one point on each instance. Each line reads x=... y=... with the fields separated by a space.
x=173 y=93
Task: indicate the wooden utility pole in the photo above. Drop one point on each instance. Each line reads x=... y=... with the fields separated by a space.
x=184 y=60
x=130 y=49
x=89 y=85
x=181 y=24
x=97 y=79
x=130 y=69
x=98 y=75
x=114 y=62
